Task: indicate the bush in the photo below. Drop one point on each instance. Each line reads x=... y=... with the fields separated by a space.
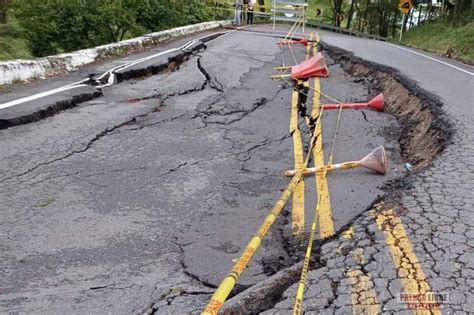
x=55 y=26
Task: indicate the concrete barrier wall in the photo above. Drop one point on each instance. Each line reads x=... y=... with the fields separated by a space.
x=22 y=70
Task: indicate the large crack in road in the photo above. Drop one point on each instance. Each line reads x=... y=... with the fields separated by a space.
x=426 y=133
x=149 y=193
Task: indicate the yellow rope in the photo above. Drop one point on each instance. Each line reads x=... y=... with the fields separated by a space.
x=335 y=136
x=297 y=308
x=228 y=283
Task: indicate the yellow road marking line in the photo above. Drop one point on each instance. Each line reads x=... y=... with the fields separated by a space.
x=363 y=295
x=297 y=214
x=298 y=205
x=348 y=233
x=298 y=305
x=406 y=263
x=308 y=47
x=326 y=226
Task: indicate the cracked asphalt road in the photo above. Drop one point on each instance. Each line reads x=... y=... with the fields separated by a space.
x=140 y=200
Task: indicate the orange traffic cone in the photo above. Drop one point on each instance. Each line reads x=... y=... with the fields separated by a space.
x=376 y=103
x=375 y=161
x=313 y=67
x=303 y=41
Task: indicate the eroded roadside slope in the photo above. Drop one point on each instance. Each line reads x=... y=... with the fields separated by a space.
x=426 y=132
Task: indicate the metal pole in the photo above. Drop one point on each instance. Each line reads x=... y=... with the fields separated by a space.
x=274 y=12
x=401 y=28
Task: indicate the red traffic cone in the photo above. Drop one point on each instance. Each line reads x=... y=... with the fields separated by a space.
x=313 y=67
x=303 y=41
x=377 y=103
x=375 y=160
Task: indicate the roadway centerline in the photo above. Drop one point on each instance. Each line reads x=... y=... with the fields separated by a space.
x=408 y=267
x=326 y=225
x=298 y=218
x=298 y=205
x=363 y=295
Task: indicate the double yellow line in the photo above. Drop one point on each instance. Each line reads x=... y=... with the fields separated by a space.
x=298 y=206
x=406 y=263
x=325 y=212
x=326 y=226
x=323 y=205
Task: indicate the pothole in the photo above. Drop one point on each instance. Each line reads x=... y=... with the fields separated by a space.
x=426 y=131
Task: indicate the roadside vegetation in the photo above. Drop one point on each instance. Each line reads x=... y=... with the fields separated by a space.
x=36 y=28
x=42 y=28
x=443 y=38
x=12 y=43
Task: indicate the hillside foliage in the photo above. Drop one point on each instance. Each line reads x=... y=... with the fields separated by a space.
x=56 y=26
x=45 y=27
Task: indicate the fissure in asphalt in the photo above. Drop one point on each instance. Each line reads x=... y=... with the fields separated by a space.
x=426 y=131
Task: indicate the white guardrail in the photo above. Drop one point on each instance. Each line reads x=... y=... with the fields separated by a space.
x=22 y=70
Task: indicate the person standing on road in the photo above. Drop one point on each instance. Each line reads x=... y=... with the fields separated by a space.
x=250 y=7
x=237 y=12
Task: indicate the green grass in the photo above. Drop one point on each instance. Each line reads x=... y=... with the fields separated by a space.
x=440 y=38
x=12 y=45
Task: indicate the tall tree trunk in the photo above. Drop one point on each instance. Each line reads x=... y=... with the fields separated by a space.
x=405 y=21
x=337 y=12
x=262 y=5
x=3 y=11
x=359 y=18
x=381 y=17
x=365 y=13
x=394 y=23
x=430 y=10
x=419 y=14
x=411 y=17
x=351 y=12
x=384 y=23
x=456 y=12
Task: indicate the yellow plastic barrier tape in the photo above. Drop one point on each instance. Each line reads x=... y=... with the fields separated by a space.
x=323 y=206
x=226 y=286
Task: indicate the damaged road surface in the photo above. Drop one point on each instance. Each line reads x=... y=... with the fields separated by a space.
x=141 y=200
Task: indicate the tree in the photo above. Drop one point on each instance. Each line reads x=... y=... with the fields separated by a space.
x=351 y=13
x=56 y=26
x=336 y=12
x=3 y=11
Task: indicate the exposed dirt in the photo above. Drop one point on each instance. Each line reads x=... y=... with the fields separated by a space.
x=426 y=129
x=426 y=132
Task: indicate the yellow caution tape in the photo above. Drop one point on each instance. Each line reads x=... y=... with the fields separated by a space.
x=228 y=283
x=304 y=272
x=323 y=206
x=226 y=286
